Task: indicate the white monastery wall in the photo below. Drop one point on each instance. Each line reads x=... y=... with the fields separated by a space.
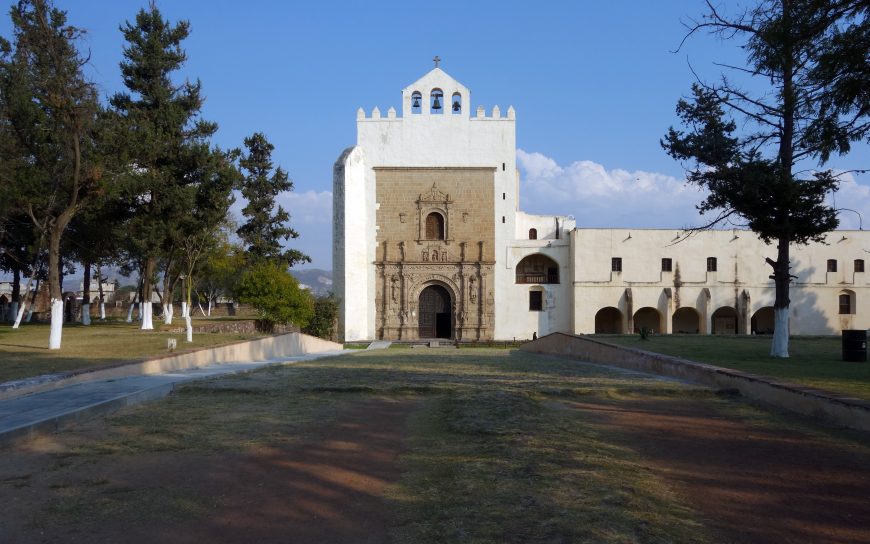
x=740 y=280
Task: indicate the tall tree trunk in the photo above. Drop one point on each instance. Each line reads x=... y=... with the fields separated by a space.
x=16 y=294
x=86 y=295
x=102 y=295
x=55 y=280
x=781 y=279
x=147 y=287
x=20 y=313
x=33 y=299
x=781 y=270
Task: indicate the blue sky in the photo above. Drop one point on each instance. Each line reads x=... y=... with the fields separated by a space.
x=594 y=85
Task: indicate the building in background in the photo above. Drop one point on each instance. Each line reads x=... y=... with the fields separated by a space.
x=429 y=242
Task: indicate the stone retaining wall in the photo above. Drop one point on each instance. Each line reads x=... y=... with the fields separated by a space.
x=843 y=411
x=261 y=349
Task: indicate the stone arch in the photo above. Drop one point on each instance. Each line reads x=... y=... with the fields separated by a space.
x=762 y=321
x=456 y=103
x=608 y=320
x=435 y=310
x=648 y=317
x=724 y=320
x=537 y=268
x=436 y=101
x=686 y=320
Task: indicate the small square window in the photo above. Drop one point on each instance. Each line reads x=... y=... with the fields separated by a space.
x=859 y=265
x=536 y=301
x=711 y=264
x=667 y=265
x=616 y=264
x=832 y=265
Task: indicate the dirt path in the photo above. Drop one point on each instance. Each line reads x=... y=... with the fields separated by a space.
x=751 y=485
x=325 y=488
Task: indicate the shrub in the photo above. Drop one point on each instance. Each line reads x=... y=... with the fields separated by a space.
x=275 y=295
x=323 y=322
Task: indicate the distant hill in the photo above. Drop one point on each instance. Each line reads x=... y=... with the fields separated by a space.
x=319 y=281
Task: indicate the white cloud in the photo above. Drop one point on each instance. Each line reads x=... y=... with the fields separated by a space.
x=308 y=208
x=598 y=197
x=852 y=196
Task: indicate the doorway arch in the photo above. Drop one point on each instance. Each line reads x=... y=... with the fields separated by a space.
x=686 y=320
x=608 y=321
x=435 y=315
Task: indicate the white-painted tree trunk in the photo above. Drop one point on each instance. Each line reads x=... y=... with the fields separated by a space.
x=145 y=312
x=102 y=311
x=184 y=309
x=209 y=307
x=130 y=312
x=779 y=348
x=13 y=310
x=56 y=323
x=86 y=313
x=167 y=314
x=19 y=316
x=189 y=329
x=29 y=314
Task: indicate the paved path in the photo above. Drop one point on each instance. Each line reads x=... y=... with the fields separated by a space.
x=24 y=417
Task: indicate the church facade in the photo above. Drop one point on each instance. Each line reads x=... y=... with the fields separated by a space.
x=429 y=242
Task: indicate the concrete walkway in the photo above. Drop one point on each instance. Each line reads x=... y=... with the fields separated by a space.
x=23 y=418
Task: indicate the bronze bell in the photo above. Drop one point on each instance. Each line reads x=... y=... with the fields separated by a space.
x=416 y=103
x=456 y=106
x=437 y=104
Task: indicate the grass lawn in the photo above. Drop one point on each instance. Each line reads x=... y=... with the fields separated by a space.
x=24 y=352
x=493 y=453
x=814 y=361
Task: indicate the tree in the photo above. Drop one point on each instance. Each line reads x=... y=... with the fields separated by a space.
x=323 y=322
x=219 y=272
x=809 y=60
x=164 y=143
x=276 y=295
x=52 y=109
x=264 y=230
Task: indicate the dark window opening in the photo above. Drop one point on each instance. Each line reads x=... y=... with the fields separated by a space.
x=502 y=219
x=859 y=265
x=434 y=226
x=832 y=265
x=502 y=167
x=616 y=264
x=533 y=234
x=667 y=265
x=536 y=301
x=845 y=304
x=711 y=264
x=537 y=268
x=504 y=196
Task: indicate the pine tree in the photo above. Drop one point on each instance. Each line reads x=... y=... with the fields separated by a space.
x=163 y=136
x=52 y=108
x=265 y=227
x=810 y=58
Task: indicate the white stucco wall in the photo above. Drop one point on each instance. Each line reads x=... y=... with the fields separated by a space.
x=424 y=139
x=741 y=273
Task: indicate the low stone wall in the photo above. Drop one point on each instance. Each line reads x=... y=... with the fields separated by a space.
x=261 y=349
x=843 y=411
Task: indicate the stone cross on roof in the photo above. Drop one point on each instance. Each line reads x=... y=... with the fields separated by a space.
x=437 y=59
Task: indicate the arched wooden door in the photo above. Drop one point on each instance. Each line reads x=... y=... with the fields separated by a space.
x=434 y=313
